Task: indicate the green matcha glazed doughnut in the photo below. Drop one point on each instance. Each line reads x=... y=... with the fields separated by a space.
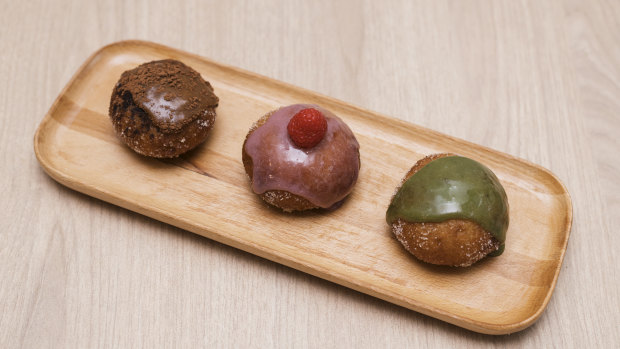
x=450 y=210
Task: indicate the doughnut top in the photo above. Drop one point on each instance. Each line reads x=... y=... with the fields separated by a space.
x=324 y=174
x=453 y=187
x=171 y=93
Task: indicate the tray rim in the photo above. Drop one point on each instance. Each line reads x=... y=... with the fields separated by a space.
x=471 y=324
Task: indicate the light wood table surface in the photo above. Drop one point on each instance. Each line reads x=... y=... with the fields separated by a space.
x=536 y=79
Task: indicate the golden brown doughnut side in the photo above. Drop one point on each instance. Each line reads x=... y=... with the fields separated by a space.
x=454 y=242
x=279 y=198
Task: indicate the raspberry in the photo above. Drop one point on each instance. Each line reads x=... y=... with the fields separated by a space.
x=307 y=128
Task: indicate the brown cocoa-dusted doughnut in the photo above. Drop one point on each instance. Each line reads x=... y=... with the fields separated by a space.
x=295 y=178
x=455 y=213
x=162 y=108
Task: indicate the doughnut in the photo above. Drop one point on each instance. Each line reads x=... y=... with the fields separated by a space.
x=450 y=210
x=301 y=157
x=162 y=108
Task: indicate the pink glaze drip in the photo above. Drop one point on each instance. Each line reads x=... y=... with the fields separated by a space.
x=324 y=174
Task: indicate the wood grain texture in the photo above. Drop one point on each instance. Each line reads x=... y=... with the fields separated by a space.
x=206 y=191
x=535 y=79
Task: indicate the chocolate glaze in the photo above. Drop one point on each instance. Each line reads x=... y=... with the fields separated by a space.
x=171 y=93
x=324 y=174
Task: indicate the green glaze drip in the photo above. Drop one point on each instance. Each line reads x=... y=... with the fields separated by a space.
x=453 y=187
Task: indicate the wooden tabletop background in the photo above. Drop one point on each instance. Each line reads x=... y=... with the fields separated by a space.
x=536 y=79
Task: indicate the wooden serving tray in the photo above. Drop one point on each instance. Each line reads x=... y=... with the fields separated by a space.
x=208 y=193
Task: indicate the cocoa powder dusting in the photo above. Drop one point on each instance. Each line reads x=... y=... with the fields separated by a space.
x=171 y=93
